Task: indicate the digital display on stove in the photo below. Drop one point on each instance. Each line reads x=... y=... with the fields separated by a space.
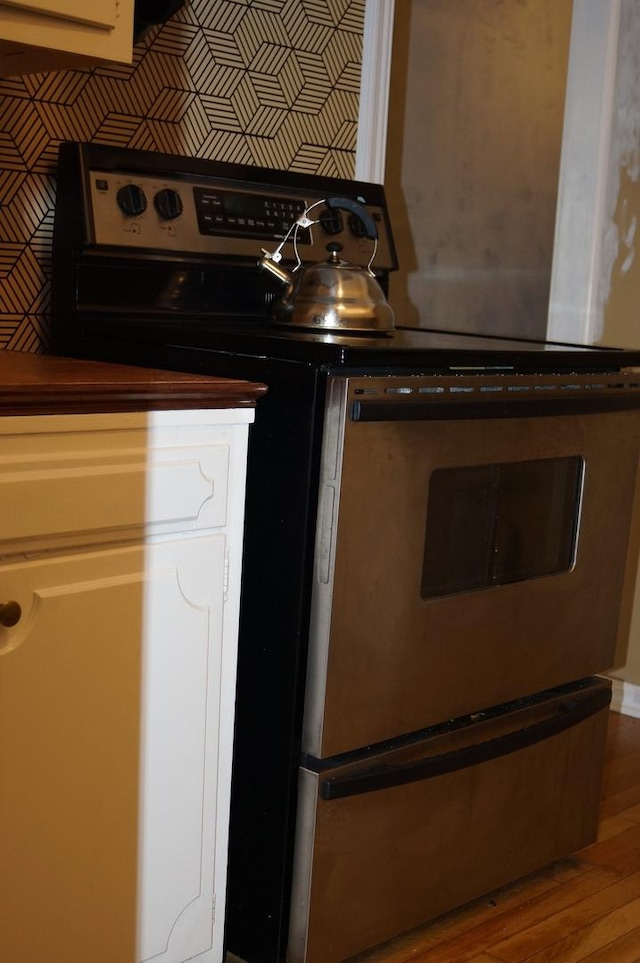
x=238 y=214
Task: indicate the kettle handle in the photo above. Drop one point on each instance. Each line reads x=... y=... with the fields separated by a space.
x=346 y=204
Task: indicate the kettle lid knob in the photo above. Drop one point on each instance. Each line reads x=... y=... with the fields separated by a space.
x=334 y=248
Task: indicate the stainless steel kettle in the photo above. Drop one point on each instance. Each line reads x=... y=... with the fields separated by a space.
x=333 y=295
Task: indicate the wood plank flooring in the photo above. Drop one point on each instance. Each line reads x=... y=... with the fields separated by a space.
x=585 y=909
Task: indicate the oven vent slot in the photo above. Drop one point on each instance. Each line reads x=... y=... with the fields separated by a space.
x=477 y=396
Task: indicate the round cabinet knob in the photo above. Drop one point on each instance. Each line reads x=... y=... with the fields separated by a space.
x=168 y=204
x=131 y=200
x=10 y=614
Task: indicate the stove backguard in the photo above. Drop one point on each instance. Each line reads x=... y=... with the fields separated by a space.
x=157 y=237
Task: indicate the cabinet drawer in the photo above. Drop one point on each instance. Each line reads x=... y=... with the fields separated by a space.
x=78 y=487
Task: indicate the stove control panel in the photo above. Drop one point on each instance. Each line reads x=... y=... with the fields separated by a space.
x=183 y=216
x=223 y=213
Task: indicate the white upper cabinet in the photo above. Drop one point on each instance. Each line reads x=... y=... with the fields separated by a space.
x=37 y=35
x=100 y=13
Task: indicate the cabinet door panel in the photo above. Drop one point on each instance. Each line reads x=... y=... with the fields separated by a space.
x=69 y=725
x=108 y=849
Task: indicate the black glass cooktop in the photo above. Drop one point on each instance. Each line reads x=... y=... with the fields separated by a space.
x=405 y=347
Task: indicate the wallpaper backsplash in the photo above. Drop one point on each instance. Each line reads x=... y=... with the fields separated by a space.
x=267 y=82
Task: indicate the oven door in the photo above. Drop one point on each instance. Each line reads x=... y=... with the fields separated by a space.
x=469 y=550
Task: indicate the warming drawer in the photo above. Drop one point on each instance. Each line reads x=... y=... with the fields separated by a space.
x=388 y=842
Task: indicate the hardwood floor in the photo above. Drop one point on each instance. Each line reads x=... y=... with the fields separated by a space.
x=585 y=909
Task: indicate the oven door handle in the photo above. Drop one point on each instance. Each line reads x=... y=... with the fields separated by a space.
x=372 y=411
x=567 y=712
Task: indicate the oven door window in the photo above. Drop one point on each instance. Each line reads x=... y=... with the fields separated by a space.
x=495 y=524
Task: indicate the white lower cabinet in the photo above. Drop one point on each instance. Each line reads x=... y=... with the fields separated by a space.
x=117 y=683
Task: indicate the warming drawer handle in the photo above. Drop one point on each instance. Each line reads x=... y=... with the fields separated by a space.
x=571 y=712
x=372 y=411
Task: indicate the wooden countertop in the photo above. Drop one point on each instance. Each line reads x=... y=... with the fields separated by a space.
x=48 y=384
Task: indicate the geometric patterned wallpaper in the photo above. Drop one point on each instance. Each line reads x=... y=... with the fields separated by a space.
x=273 y=83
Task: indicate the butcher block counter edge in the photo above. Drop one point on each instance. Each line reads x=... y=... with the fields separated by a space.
x=49 y=384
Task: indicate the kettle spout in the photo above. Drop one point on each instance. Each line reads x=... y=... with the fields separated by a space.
x=266 y=263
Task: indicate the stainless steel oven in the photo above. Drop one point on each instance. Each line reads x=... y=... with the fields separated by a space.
x=435 y=547
x=466 y=569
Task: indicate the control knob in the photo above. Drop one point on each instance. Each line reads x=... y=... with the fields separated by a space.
x=331 y=222
x=168 y=204
x=131 y=200
x=357 y=227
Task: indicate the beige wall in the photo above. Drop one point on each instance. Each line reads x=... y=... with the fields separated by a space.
x=473 y=159
x=622 y=308
x=619 y=284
